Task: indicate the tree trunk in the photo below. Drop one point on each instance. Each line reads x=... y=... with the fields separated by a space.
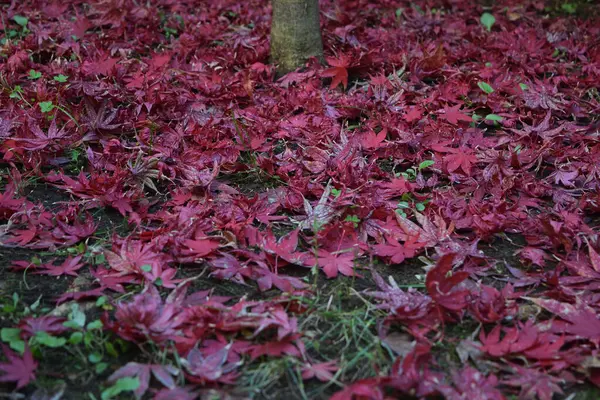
x=295 y=33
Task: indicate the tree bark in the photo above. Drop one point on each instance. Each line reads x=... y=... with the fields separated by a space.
x=295 y=33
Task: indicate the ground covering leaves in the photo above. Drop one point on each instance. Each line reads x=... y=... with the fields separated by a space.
x=418 y=218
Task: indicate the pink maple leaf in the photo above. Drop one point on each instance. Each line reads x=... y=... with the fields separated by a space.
x=289 y=347
x=472 y=384
x=22 y=237
x=565 y=178
x=534 y=384
x=322 y=371
x=69 y=267
x=533 y=254
x=162 y=373
x=210 y=368
x=31 y=325
x=18 y=369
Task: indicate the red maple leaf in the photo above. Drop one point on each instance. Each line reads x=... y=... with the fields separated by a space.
x=102 y=66
x=462 y=158
x=396 y=251
x=78 y=228
x=285 y=247
x=433 y=60
x=179 y=393
x=17 y=369
x=578 y=319
x=491 y=305
x=472 y=384
x=453 y=115
x=22 y=237
x=147 y=316
x=42 y=140
x=332 y=263
x=137 y=258
x=201 y=247
x=268 y=279
x=429 y=233
x=9 y=203
x=594 y=258
x=414 y=113
x=364 y=389
x=397 y=187
x=441 y=284
x=338 y=71
x=524 y=339
x=371 y=140
x=101 y=120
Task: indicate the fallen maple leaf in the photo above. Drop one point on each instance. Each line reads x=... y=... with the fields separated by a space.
x=453 y=115
x=469 y=383
x=18 y=369
x=434 y=60
x=394 y=250
x=441 y=284
x=461 y=158
x=69 y=267
x=523 y=339
x=429 y=234
x=338 y=71
x=285 y=247
x=332 y=263
x=534 y=384
x=42 y=140
x=368 y=389
x=322 y=371
x=373 y=140
x=414 y=113
x=211 y=368
x=29 y=326
x=321 y=214
x=533 y=255
x=179 y=393
x=201 y=247
x=578 y=319
x=162 y=373
x=102 y=66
